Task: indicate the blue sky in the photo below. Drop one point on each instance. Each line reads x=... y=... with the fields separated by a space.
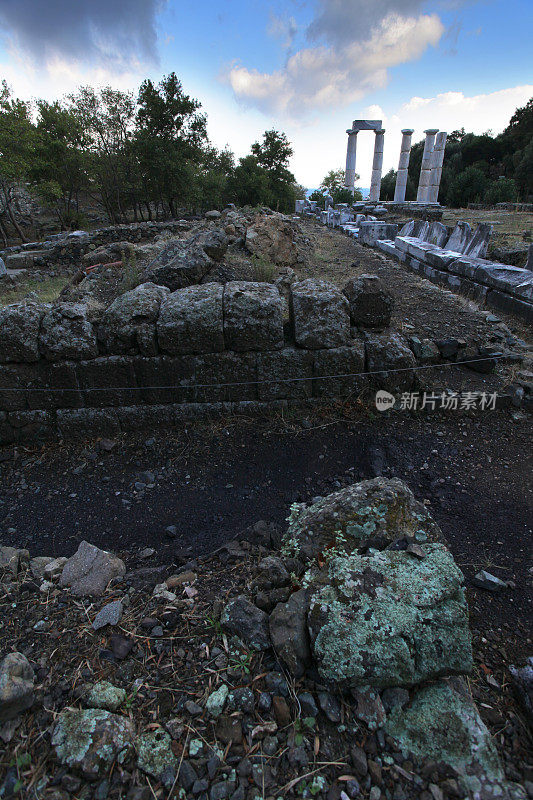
x=307 y=67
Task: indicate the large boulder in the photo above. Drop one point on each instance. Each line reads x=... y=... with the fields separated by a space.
x=393 y=618
x=185 y=262
x=128 y=324
x=272 y=238
x=191 y=320
x=67 y=333
x=253 y=318
x=19 y=324
x=89 y=741
x=375 y=513
x=109 y=253
x=90 y=569
x=320 y=315
x=371 y=304
x=441 y=723
x=16 y=686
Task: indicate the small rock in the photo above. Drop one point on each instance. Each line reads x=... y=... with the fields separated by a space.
x=110 y=614
x=37 y=566
x=308 y=706
x=104 y=695
x=241 y=700
x=89 y=570
x=282 y=713
x=249 y=623
x=54 y=568
x=359 y=761
x=229 y=729
x=121 y=646
x=217 y=700
x=16 y=686
x=330 y=706
x=369 y=708
x=91 y=740
x=484 y=580
x=155 y=755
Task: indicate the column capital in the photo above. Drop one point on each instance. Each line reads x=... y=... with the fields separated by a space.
x=408 y=131
x=381 y=130
x=431 y=131
x=352 y=133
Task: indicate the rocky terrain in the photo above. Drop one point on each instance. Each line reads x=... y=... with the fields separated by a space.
x=326 y=658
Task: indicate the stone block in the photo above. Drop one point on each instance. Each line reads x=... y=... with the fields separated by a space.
x=56 y=385
x=87 y=423
x=391 y=361
x=370 y=303
x=343 y=363
x=285 y=374
x=128 y=325
x=163 y=379
x=460 y=238
x=108 y=381
x=223 y=377
x=253 y=316
x=320 y=315
x=31 y=426
x=437 y=234
x=477 y=246
x=510 y=305
x=190 y=320
x=370 y=232
x=13 y=383
x=20 y=324
x=67 y=333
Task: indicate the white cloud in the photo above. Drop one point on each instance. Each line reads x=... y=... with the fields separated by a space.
x=322 y=77
x=283 y=28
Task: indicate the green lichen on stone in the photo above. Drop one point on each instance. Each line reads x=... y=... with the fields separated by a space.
x=105 y=695
x=154 y=753
x=390 y=619
x=380 y=507
x=92 y=739
x=217 y=700
x=443 y=724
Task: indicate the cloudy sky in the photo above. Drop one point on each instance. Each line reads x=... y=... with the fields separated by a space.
x=308 y=67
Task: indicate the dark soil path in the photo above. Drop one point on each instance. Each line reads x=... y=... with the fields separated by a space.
x=212 y=482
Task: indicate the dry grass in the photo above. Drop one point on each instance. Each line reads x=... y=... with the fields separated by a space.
x=47 y=290
x=508 y=226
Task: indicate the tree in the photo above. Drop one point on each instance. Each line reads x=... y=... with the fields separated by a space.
x=504 y=190
x=272 y=155
x=17 y=144
x=468 y=186
x=250 y=184
x=333 y=184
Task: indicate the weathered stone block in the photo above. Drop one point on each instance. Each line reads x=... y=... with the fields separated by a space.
x=13 y=382
x=164 y=380
x=343 y=362
x=53 y=385
x=371 y=304
x=87 y=423
x=19 y=324
x=108 y=381
x=67 y=333
x=285 y=374
x=190 y=320
x=223 y=377
x=253 y=317
x=391 y=361
x=320 y=315
x=370 y=232
x=128 y=325
x=31 y=425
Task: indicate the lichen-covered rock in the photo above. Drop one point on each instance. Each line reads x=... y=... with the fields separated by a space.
x=16 y=686
x=217 y=700
x=375 y=512
x=272 y=238
x=390 y=619
x=128 y=325
x=441 y=723
x=390 y=361
x=19 y=324
x=185 y=262
x=90 y=569
x=91 y=740
x=191 y=320
x=320 y=315
x=67 y=333
x=249 y=623
x=155 y=756
x=371 y=304
x=104 y=695
x=253 y=317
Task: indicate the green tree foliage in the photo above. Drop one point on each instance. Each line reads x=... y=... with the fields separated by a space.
x=17 y=147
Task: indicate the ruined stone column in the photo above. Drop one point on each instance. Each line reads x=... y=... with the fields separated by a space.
x=425 y=169
x=349 y=175
x=375 y=181
x=403 y=166
x=437 y=158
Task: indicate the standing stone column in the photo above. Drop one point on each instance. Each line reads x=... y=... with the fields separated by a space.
x=425 y=169
x=437 y=159
x=403 y=166
x=375 y=181
x=349 y=175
